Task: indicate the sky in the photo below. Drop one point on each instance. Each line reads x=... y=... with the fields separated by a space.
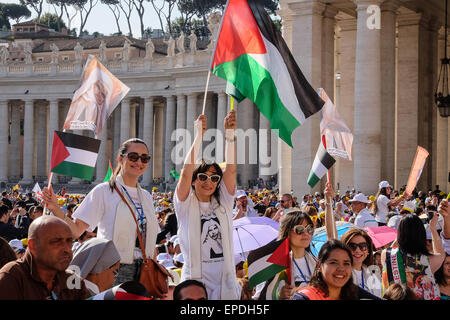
x=102 y=19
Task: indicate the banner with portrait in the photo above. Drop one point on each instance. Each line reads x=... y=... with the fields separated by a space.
x=98 y=95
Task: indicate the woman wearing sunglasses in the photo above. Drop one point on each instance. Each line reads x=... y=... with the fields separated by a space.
x=203 y=202
x=299 y=228
x=103 y=208
x=365 y=274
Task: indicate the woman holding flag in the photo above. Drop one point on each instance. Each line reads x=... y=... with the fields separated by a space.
x=203 y=204
x=105 y=209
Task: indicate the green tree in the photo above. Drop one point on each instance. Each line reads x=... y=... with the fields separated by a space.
x=52 y=21
x=36 y=5
x=16 y=11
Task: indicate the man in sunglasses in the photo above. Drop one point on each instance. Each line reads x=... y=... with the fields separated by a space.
x=285 y=203
x=359 y=207
x=243 y=207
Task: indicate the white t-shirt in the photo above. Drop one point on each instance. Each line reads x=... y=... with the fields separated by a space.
x=211 y=239
x=372 y=281
x=383 y=208
x=394 y=221
x=304 y=276
x=365 y=219
x=98 y=209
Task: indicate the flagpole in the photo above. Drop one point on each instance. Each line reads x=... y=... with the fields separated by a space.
x=50 y=177
x=206 y=91
x=330 y=203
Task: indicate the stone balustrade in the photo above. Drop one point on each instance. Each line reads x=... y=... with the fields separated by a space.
x=37 y=68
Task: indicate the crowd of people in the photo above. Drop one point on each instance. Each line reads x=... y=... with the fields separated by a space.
x=92 y=239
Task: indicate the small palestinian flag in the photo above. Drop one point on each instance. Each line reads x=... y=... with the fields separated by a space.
x=109 y=173
x=266 y=262
x=322 y=163
x=252 y=56
x=74 y=155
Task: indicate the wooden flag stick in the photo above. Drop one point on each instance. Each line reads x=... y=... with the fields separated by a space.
x=335 y=234
x=50 y=177
x=206 y=91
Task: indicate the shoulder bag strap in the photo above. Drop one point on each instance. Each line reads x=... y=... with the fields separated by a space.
x=141 y=243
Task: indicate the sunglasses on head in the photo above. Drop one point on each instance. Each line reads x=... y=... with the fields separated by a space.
x=301 y=229
x=362 y=246
x=134 y=157
x=203 y=177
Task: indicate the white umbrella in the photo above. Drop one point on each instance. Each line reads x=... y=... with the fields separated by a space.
x=251 y=233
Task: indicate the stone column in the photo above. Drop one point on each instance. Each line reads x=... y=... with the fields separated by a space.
x=15 y=149
x=52 y=127
x=181 y=131
x=367 y=132
x=148 y=138
x=388 y=86
x=221 y=114
x=116 y=135
x=28 y=145
x=191 y=116
x=158 y=146
x=133 y=121
x=41 y=139
x=264 y=148
x=125 y=120
x=168 y=145
x=140 y=112
x=346 y=103
x=4 y=132
x=102 y=163
x=410 y=101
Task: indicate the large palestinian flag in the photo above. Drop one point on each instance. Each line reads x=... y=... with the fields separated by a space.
x=269 y=260
x=74 y=155
x=252 y=55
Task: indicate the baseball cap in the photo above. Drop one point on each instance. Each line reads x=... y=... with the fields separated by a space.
x=384 y=184
x=175 y=279
x=360 y=197
x=179 y=258
x=240 y=194
x=409 y=206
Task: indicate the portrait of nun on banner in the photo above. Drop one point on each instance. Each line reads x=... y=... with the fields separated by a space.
x=96 y=98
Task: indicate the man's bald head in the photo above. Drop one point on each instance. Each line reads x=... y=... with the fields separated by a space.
x=50 y=243
x=44 y=223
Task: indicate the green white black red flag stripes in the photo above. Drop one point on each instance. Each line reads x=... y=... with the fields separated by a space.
x=252 y=55
x=265 y=262
x=74 y=155
x=322 y=163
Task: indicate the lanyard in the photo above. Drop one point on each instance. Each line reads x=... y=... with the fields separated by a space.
x=362 y=278
x=139 y=212
x=300 y=270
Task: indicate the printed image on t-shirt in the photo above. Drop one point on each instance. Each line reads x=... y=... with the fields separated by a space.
x=211 y=237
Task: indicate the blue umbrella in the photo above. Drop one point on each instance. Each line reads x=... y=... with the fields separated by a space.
x=320 y=235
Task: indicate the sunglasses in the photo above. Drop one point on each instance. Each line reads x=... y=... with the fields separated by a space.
x=134 y=157
x=203 y=177
x=362 y=246
x=301 y=229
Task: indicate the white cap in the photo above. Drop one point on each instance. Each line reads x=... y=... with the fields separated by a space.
x=16 y=244
x=173 y=238
x=238 y=258
x=360 y=197
x=409 y=206
x=176 y=242
x=384 y=184
x=240 y=194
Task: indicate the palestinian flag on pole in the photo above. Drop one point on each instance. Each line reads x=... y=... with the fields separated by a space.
x=266 y=262
x=252 y=55
x=322 y=163
x=74 y=155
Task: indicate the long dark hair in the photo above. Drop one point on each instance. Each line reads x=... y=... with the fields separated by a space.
x=349 y=291
x=381 y=191
x=204 y=166
x=411 y=235
x=350 y=234
x=121 y=152
x=7 y=253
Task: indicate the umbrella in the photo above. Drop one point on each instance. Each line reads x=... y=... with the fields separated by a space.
x=381 y=236
x=251 y=233
x=320 y=235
